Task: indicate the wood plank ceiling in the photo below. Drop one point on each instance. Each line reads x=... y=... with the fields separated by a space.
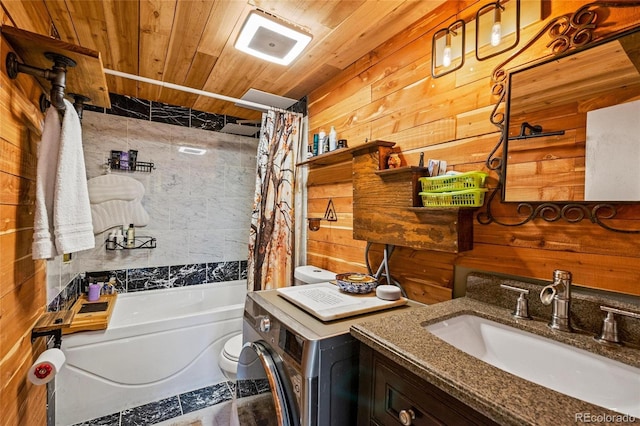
x=190 y=42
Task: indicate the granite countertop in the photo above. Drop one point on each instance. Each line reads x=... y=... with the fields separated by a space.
x=505 y=398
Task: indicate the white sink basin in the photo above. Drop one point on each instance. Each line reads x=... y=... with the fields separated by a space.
x=563 y=368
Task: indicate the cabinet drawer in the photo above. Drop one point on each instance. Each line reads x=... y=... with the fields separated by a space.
x=391 y=395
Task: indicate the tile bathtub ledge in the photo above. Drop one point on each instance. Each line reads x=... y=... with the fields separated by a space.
x=505 y=398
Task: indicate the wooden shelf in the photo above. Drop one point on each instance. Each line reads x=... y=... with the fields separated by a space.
x=408 y=174
x=87 y=78
x=421 y=171
x=53 y=321
x=344 y=154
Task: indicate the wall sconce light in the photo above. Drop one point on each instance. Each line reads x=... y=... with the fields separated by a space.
x=447 y=46
x=329 y=214
x=491 y=33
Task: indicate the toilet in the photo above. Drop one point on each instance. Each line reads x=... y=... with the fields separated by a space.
x=228 y=359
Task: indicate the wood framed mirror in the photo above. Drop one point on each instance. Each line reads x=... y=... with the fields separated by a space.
x=582 y=110
x=548 y=107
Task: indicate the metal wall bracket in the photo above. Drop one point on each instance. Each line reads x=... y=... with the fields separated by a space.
x=78 y=103
x=57 y=75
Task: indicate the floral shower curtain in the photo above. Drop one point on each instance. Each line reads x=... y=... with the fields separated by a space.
x=271 y=239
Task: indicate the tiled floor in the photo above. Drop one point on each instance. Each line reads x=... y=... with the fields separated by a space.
x=206 y=406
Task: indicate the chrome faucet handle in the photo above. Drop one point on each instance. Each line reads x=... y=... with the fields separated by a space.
x=522 y=304
x=609 y=333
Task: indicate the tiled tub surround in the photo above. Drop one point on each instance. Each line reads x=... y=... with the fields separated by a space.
x=158 y=344
x=199 y=206
x=505 y=398
x=156 y=278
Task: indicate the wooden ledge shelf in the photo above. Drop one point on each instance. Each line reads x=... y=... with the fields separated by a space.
x=51 y=321
x=344 y=154
x=87 y=78
x=421 y=171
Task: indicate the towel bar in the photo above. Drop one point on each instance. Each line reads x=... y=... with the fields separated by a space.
x=56 y=75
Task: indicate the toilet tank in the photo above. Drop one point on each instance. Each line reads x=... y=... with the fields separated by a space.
x=309 y=274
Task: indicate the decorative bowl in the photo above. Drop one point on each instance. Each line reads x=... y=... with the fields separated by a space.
x=354 y=282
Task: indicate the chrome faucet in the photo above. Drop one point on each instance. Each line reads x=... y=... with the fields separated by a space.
x=560 y=294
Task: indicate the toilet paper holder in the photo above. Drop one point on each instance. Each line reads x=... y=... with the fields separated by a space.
x=52 y=324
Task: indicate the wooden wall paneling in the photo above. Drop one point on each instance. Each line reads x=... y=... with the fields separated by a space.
x=21 y=308
x=342 y=85
x=577 y=238
x=17 y=161
x=474 y=122
x=405 y=103
x=16 y=190
x=22 y=402
x=332 y=174
x=343 y=205
x=335 y=257
x=419 y=136
x=614 y=273
x=342 y=189
x=330 y=92
x=22 y=280
x=426 y=276
x=427 y=105
x=337 y=115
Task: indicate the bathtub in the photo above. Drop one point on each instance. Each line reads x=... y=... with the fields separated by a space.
x=159 y=343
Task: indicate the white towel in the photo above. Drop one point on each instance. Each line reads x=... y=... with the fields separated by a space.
x=43 y=245
x=71 y=209
x=63 y=214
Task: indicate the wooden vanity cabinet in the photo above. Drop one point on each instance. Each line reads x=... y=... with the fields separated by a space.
x=390 y=395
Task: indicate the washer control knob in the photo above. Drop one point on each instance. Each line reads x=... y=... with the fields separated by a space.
x=406 y=416
x=265 y=324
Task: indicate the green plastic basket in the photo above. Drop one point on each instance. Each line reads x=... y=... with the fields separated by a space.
x=445 y=183
x=465 y=198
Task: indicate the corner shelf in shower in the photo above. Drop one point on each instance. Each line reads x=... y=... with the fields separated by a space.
x=86 y=78
x=139 y=243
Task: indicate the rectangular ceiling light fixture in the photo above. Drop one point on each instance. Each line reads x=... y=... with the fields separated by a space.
x=192 y=151
x=266 y=37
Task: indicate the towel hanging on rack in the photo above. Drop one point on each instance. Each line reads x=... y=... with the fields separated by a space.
x=43 y=244
x=63 y=213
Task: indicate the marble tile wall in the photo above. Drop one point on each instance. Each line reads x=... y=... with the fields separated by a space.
x=199 y=206
x=152 y=278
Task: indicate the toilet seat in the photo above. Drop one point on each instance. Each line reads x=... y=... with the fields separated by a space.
x=232 y=348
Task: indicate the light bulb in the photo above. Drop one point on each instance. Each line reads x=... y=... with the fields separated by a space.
x=496 y=34
x=496 y=29
x=446 y=53
x=446 y=56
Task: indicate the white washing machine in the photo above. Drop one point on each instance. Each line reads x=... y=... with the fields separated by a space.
x=295 y=369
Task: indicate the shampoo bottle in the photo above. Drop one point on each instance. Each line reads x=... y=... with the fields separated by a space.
x=321 y=136
x=119 y=239
x=131 y=236
x=333 y=139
